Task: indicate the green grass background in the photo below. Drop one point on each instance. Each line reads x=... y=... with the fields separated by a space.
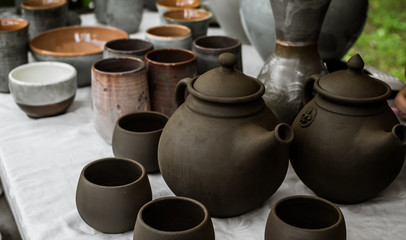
x=382 y=43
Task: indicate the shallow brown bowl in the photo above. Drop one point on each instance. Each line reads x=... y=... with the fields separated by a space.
x=79 y=46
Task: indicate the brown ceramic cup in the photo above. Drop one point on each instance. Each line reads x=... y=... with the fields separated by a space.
x=136 y=136
x=45 y=15
x=209 y=48
x=170 y=36
x=127 y=47
x=305 y=218
x=119 y=87
x=177 y=218
x=13 y=48
x=166 y=67
x=110 y=193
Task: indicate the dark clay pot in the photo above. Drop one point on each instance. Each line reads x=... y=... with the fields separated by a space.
x=110 y=193
x=223 y=146
x=348 y=144
x=173 y=218
x=305 y=218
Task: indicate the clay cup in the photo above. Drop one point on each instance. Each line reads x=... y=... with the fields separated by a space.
x=170 y=36
x=110 y=193
x=136 y=136
x=13 y=48
x=119 y=87
x=197 y=20
x=127 y=47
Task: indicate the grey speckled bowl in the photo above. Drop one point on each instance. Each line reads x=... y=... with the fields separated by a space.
x=79 y=46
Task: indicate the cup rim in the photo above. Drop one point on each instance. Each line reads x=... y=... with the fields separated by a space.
x=204 y=221
x=43 y=5
x=139 y=179
x=165 y=15
x=71 y=76
x=154 y=113
x=21 y=24
x=199 y=47
x=164 y=4
x=314 y=198
x=192 y=59
x=148 y=45
x=188 y=31
x=140 y=68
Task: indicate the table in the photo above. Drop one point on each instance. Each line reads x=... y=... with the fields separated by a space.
x=40 y=163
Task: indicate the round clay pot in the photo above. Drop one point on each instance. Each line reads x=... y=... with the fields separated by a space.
x=110 y=193
x=173 y=218
x=305 y=218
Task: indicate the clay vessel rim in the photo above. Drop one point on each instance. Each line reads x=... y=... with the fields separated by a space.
x=67 y=78
x=339 y=221
x=205 y=15
x=200 y=47
x=135 y=70
x=73 y=29
x=328 y=95
x=167 y=4
x=248 y=98
x=193 y=58
x=174 y=198
x=186 y=31
x=143 y=173
x=140 y=113
x=21 y=24
x=42 y=5
x=147 y=46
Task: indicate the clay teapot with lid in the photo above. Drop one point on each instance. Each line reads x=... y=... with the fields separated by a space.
x=223 y=146
x=348 y=143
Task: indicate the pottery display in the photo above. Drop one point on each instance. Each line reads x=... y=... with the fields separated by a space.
x=342 y=25
x=110 y=192
x=43 y=89
x=79 y=46
x=44 y=15
x=136 y=136
x=177 y=218
x=166 y=67
x=223 y=146
x=297 y=27
x=125 y=14
x=348 y=145
x=13 y=47
x=170 y=36
x=305 y=218
x=119 y=87
x=197 y=20
x=227 y=15
x=127 y=47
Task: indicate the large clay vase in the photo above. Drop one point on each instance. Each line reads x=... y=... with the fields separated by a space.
x=343 y=24
x=348 y=145
x=297 y=24
x=223 y=146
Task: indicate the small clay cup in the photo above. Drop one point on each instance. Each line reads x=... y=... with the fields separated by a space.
x=45 y=15
x=166 y=5
x=136 y=136
x=305 y=218
x=197 y=20
x=170 y=36
x=110 y=193
x=209 y=48
x=177 y=218
x=166 y=67
x=13 y=48
x=125 y=14
x=119 y=87
x=127 y=47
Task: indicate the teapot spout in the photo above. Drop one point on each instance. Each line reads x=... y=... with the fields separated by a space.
x=282 y=134
x=399 y=134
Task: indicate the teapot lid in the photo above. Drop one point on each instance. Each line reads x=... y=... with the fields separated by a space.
x=225 y=84
x=353 y=85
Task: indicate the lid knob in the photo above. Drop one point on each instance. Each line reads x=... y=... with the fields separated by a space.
x=227 y=61
x=355 y=63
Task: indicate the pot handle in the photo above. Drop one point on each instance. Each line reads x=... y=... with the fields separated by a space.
x=180 y=91
x=308 y=87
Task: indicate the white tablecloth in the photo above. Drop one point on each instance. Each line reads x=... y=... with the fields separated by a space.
x=40 y=163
